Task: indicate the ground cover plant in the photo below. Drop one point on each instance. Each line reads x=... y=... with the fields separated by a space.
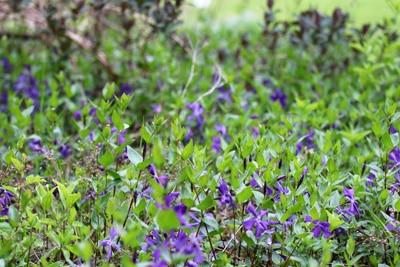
x=273 y=147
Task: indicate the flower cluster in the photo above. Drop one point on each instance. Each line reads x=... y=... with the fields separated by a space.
x=109 y=243
x=319 y=227
x=278 y=95
x=28 y=87
x=225 y=196
x=175 y=244
x=5 y=201
x=198 y=119
x=262 y=225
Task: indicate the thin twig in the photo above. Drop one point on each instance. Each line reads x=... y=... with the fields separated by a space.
x=216 y=85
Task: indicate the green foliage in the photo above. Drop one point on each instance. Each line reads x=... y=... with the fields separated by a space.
x=278 y=148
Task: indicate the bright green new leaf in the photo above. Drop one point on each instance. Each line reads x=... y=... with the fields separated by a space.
x=117 y=121
x=107 y=159
x=188 y=150
x=167 y=220
x=245 y=195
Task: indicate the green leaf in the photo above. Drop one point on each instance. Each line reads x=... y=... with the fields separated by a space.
x=107 y=159
x=5 y=229
x=350 y=245
x=211 y=222
x=355 y=137
x=395 y=139
x=376 y=129
x=134 y=157
x=384 y=194
x=85 y=250
x=108 y=90
x=206 y=203
x=397 y=205
x=334 y=221
x=31 y=179
x=167 y=220
x=21 y=141
x=387 y=141
x=47 y=200
x=188 y=150
x=13 y=216
x=18 y=164
x=117 y=121
x=157 y=154
x=145 y=134
x=245 y=195
x=72 y=198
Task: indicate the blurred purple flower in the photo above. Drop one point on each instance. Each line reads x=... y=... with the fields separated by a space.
x=7 y=66
x=262 y=226
x=308 y=142
x=27 y=85
x=392 y=130
x=225 y=94
x=77 y=114
x=110 y=244
x=267 y=83
x=353 y=209
x=278 y=95
x=36 y=145
x=216 y=145
x=221 y=129
x=196 y=116
x=162 y=180
x=371 y=180
x=5 y=197
x=156 y=108
x=65 y=150
x=319 y=227
x=225 y=195
x=255 y=132
x=125 y=88
x=279 y=189
x=177 y=243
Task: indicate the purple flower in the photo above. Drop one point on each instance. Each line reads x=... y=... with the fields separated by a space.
x=262 y=226
x=267 y=83
x=92 y=195
x=280 y=190
x=352 y=210
x=308 y=142
x=27 y=85
x=110 y=244
x=65 y=150
x=125 y=88
x=177 y=243
x=221 y=129
x=5 y=200
x=278 y=95
x=319 y=227
x=92 y=112
x=197 y=117
x=7 y=66
x=77 y=114
x=163 y=180
x=156 y=108
x=392 y=130
x=371 y=179
x=225 y=94
x=216 y=145
x=255 y=132
x=36 y=145
x=253 y=183
x=225 y=195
